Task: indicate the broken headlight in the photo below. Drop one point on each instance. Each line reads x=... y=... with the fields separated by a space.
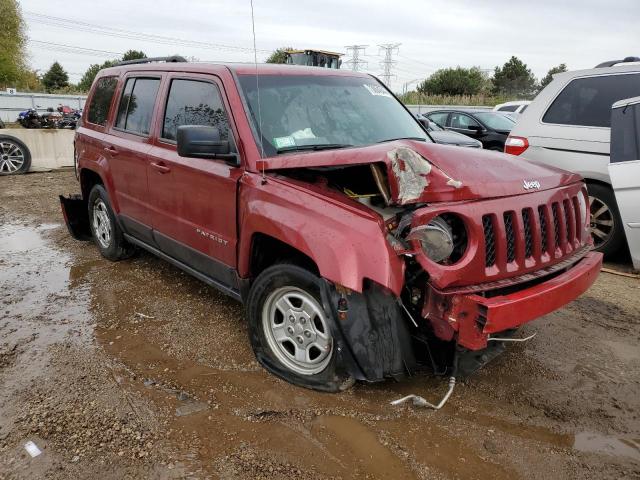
x=436 y=239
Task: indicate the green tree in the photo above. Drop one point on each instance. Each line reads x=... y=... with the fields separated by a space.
x=55 y=78
x=12 y=43
x=514 y=78
x=89 y=76
x=546 y=80
x=133 y=55
x=279 y=55
x=454 y=81
x=87 y=79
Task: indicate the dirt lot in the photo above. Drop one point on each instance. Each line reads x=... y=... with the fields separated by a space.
x=135 y=370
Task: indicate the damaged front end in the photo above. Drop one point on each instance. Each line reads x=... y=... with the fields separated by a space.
x=477 y=267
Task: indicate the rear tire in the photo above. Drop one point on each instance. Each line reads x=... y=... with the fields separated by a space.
x=105 y=230
x=290 y=332
x=606 y=225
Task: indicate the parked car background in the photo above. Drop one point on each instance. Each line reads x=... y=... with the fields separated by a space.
x=488 y=127
x=568 y=126
x=447 y=137
x=624 y=169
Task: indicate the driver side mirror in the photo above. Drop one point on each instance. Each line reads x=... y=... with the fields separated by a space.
x=200 y=141
x=475 y=128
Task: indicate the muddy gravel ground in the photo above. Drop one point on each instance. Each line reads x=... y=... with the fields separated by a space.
x=135 y=370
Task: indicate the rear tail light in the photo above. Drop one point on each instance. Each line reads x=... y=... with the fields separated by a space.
x=516 y=145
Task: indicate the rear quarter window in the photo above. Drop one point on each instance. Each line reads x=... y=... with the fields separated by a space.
x=101 y=100
x=587 y=101
x=136 y=105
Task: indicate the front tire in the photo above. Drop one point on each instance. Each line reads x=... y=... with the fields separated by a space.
x=290 y=332
x=606 y=225
x=105 y=230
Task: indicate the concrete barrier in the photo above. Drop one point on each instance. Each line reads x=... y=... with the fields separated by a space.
x=50 y=149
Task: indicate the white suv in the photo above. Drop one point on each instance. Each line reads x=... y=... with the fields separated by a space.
x=568 y=126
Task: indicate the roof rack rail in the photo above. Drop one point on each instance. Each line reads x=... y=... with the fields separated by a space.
x=611 y=63
x=171 y=59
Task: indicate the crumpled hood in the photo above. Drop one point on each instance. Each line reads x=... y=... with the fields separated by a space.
x=420 y=172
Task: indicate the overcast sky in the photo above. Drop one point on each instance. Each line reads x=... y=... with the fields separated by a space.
x=433 y=33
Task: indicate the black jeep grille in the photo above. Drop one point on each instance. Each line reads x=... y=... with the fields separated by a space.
x=556 y=224
x=543 y=228
x=528 y=238
x=489 y=241
x=511 y=236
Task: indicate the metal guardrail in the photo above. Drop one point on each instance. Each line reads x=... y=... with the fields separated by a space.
x=11 y=104
x=430 y=108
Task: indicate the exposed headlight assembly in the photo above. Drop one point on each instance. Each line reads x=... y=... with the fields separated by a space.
x=436 y=239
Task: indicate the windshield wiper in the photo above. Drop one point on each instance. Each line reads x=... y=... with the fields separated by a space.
x=319 y=146
x=403 y=138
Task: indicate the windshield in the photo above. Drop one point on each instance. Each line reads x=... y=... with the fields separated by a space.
x=310 y=112
x=496 y=121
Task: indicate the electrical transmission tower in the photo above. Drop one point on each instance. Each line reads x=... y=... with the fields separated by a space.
x=355 y=60
x=388 y=62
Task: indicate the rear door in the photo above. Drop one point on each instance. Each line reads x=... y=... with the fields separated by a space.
x=127 y=147
x=624 y=170
x=193 y=200
x=439 y=117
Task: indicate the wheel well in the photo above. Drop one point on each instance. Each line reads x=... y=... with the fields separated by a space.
x=88 y=179
x=591 y=181
x=267 y=251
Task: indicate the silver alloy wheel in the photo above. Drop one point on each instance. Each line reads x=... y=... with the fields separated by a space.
x=11 y=157
x=602 y=221
x=297 y=331
x=101 y=223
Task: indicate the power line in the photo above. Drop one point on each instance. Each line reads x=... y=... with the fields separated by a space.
x=388 y=62
x=355 y=61
x=132 y=35
x=59 y=47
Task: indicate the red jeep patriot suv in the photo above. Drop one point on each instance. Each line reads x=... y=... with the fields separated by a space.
x=361 y=249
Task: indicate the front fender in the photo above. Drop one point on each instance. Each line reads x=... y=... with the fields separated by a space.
x=347 y=244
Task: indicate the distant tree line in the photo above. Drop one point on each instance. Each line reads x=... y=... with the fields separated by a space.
x=513 y=79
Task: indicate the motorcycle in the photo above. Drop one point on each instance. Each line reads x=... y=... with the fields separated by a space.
x=29 y=119
x=32 y=119
x=70 y=117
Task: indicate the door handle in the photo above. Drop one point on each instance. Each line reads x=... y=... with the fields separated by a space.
x=113 y=151
x=160 y=167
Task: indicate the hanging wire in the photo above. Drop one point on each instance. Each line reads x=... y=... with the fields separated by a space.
x=255 y=59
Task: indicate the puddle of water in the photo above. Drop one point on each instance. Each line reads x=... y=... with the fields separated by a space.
x=353 y=443
x=36 y=290
x=597 y=443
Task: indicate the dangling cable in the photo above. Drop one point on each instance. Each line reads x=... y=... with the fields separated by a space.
x=255 y=60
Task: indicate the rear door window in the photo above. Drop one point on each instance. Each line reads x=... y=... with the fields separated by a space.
x=587 y=101
x=193 y=102
x=460 y=120
x=101 y=100
x=136 y=105
x=439 y=118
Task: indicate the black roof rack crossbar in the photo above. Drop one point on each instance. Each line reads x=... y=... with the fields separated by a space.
x=171 y=59
x=611 y=63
